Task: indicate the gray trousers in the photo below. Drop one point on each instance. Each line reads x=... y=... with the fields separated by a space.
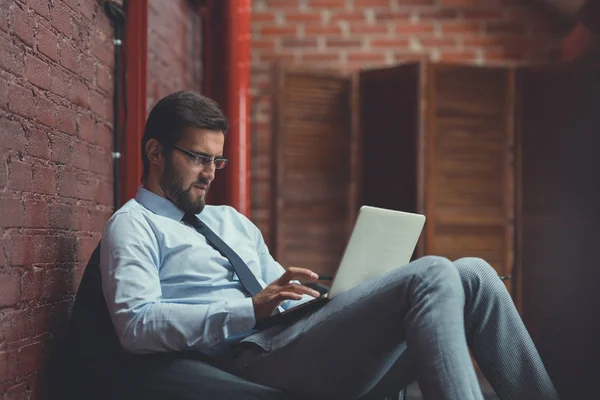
x=416 y=322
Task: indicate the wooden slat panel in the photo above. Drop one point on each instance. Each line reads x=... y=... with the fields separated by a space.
x=469 y=173
x=312 y=143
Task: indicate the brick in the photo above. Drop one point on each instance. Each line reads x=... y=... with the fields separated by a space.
x=17 y=392
x=20 y=176
x=20 y=101
x=45 y=111
x=264 y=44
x=56 y=283
x=262 y=17
x=60 y=82
x=88 y=188
x=360 y=28
x=278 y=31
x=85 y=248
x=4 y=12
x=366 y=57
x=389 y=43
x=12 y=212
x=14 y=325
x=460 y=2
x=391 y=15
x=87 y=68
x=439 y=14
x=81 y=156
x=12 y=58
x=105 y=136
x=60 y=150
x=82 y=218
x=61 y=19
x=302 y=17
x=67 y=184
x=8 y=365
x=3 y=94
x=23 y=25
x=3 y=180
x=50 y=318
x=407 y=29
x=320 y=57
x=105 y=192
x=62 y=216
x=79 y=94
x=282 y=4
x=295 y=43
x=99 y=219
x=38 y=144
x=460 y=27
x=438 y=42
x=37 y=72
x=103 y=50
x=10 y=288
x=269 y=57
x=47 y=42
x=36 y=213
x=104 y=79
x=80 y=33
x=68 y=56
x=12 y=135
x=322 y=30
x=67 y=120
x=41 y=7
x=89 y=8
x=41 y=249
x=30 y=358
x=43 y=180
x=100 y=161
x=372 y=3
x=32 y=286
x=354 y=16
x=328 y=4
x=343 y=43
x=85 y=127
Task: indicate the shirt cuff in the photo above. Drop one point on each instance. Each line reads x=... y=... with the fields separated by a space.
x=241 y=316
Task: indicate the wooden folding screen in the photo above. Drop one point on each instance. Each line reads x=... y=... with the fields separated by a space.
x=311 y=169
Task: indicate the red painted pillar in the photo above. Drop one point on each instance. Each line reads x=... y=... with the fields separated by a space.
x=136 y=50
x=237 y=105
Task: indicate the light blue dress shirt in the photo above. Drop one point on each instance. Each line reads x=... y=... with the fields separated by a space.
x=167 y=289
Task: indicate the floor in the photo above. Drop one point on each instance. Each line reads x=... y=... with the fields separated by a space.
x=413 y=392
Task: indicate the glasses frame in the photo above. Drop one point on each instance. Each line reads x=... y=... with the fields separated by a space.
x=202 y=159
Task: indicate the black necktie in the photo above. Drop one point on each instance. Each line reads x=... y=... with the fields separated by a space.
x=246 y=276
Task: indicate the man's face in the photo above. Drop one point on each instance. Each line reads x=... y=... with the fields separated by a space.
x=184 y=181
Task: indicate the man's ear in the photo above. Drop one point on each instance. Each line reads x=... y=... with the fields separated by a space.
x=154 y=150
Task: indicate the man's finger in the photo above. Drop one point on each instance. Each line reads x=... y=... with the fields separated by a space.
x=295 y=273
x=293 y=287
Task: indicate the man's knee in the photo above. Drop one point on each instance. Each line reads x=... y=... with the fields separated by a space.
x=441 y=272
x=476 y=272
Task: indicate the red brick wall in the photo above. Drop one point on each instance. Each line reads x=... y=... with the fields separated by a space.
x=351 y=34
x=56 y=60
x=174 y=48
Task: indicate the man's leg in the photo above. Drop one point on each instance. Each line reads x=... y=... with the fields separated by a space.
x=498 y=338
x=346 y=347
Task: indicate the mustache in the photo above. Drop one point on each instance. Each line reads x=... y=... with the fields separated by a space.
x=202 y=181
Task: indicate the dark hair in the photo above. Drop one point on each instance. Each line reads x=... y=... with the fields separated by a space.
x=174 y=113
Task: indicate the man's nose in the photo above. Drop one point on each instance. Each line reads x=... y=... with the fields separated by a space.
x=208 y=171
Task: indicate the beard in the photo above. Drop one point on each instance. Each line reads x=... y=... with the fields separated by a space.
x=172 y=185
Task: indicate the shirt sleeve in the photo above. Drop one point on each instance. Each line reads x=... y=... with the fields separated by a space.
x=129 y=264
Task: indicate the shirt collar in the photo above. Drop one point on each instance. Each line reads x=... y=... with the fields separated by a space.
x=158 y=204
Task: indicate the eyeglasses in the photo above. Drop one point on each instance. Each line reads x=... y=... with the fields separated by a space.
x=203 y=160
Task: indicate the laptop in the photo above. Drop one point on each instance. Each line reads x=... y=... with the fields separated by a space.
x=381 y=241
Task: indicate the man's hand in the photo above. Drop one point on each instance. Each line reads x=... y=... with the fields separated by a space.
x=282 y=289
